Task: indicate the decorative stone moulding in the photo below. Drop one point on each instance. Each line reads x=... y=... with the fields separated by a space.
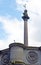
x=32 y=57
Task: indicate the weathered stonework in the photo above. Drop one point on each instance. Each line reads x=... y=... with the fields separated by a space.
x=19 y=53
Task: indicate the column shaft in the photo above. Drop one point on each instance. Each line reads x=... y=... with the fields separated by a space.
x=25 y=33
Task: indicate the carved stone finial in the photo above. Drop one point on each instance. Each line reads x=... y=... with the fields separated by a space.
x=14 y=41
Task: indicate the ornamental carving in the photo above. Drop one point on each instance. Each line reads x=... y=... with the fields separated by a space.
x=5 y=59
x=32 y=57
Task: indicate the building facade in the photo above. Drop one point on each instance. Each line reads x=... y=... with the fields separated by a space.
x=18 y=53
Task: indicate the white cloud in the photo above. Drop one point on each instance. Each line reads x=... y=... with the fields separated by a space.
x=33 y=6
x=14 y=28
x=34 y=11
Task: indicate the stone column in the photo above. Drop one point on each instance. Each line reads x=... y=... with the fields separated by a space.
x=25 y=17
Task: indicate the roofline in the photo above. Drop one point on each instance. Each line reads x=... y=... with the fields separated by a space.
x=23 y=46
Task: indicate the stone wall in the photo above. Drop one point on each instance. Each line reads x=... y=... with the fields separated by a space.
x=18 y=53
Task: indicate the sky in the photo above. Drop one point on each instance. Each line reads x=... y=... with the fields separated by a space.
x=12 y=25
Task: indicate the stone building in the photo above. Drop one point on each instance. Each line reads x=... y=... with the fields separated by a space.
x=19 y=53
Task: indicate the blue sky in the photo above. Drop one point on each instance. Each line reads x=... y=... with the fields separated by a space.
x=8 y=7
x=11 y=23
